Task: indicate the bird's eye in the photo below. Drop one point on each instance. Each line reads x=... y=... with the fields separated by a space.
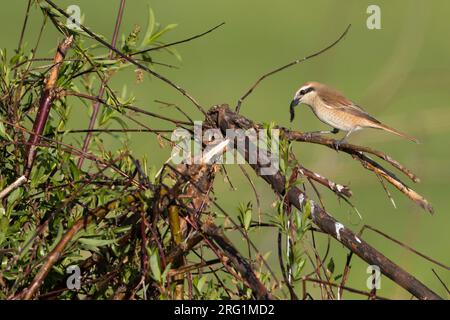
x=305 y=91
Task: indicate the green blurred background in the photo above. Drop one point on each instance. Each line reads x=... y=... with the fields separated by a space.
x=400 y=74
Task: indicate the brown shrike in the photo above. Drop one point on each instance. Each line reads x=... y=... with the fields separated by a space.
x=332 y=108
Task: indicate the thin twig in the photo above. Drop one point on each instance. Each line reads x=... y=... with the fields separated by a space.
x=132 y=61
x=404 y=246
x=440 y=280
x=180 y=41
x=238 y=106
x=368 y=294
x=96 y=105
x=24 y=26
x=337 y=188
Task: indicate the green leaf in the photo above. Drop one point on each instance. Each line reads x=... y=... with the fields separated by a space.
x=58 y=236
x=3 y=131
x=15 y=195
x=150 y=27
x=4 y=224
x=166 y=272
x=201 y=282
x=247 y=219
x=74 y=171
x=297 y=267
x=154 y=265
x=120 y=121
x=158 y=34
x=330 y=265
x=94 y=242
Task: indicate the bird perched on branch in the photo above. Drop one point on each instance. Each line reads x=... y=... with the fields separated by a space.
x=332 y=108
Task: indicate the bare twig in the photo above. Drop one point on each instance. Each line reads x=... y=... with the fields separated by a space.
x=131 y=60
x=129 y=107
x=404 y=246
x=180 y=41
x=347 y=148
x=117 y=130
x=96 y=105
x=13 y=186
x=238 y=261
x=238 y=106
x=440 y=280
x=357 y=152
x=368 y=294
x=337 y=188
x=24 y=26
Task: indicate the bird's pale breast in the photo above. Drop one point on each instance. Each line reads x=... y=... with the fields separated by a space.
x=337 y=118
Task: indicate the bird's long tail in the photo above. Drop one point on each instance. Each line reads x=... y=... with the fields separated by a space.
x=394 y=131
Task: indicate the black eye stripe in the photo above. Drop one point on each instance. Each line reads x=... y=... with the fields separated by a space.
x=305 y=91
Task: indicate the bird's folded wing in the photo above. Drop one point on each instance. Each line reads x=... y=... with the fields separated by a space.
x=357 y=111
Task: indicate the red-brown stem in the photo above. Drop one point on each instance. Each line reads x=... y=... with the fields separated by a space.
x=96 y=105
x=45 y=104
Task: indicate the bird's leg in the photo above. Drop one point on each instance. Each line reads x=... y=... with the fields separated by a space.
x=343 y=140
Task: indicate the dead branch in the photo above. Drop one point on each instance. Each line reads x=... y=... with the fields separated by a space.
x=335 y=187
x=226 y=119
x=347 y=148
x=340 y=287
x=239 y=262
x=357 y=152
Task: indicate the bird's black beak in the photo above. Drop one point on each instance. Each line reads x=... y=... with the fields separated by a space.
x=291 y=108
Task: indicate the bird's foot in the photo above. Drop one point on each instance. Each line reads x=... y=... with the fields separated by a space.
x=337 y=144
